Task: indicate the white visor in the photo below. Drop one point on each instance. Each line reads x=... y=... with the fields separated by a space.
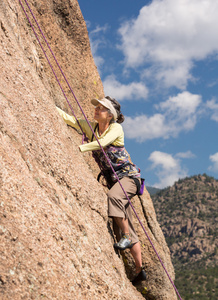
x=106 y=103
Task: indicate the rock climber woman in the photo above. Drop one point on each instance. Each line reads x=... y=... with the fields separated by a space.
x=110 y=134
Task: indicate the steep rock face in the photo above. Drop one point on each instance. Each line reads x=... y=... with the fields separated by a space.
x=55 y=238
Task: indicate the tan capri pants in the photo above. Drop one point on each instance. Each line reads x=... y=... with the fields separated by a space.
x=118 y=205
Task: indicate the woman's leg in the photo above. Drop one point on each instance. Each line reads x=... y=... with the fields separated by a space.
x=136 y=248
x=136 y=253
x=125 y=240
x=122 y=224
x=140 y=272
x=117 y=209
x=120 y=210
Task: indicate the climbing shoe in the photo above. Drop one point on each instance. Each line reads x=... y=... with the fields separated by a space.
x=124 y=243
x=140 y=277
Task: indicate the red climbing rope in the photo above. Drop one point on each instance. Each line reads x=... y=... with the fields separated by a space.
x=87 y=123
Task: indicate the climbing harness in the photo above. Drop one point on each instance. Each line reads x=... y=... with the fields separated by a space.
x=87 y=123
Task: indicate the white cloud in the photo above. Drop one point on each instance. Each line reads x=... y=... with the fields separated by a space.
x=99 y=61
x=213 y=105
x=177 y=114
x=97 y=42
x=99 y=29
x=187 y=154
x=144 y=128
x=171 y=35
x=184 y=103
x=181 y=110
x=132 y=91
x=167 y=168
x=176 y=75
x=214 y=160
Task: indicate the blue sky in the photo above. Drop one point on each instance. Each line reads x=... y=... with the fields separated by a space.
x=159 y=59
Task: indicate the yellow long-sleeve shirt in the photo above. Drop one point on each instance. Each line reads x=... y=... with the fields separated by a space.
x=113 y=134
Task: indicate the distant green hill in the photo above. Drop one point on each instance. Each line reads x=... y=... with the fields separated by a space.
x=152 y=190
x=187 y=213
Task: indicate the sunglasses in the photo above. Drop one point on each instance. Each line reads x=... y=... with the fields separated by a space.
x=101 y=108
